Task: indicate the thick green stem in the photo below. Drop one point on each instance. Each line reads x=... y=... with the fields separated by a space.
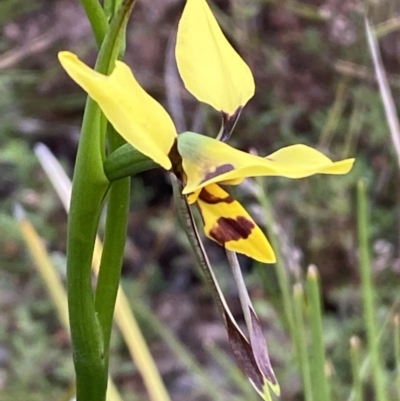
x=88 y=192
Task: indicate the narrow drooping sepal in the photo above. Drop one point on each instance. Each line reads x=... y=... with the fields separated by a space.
x=209 y=66
x=228 y=223
x=135 y=115
x=206 y=160
x=241 y=347
x=261 y=355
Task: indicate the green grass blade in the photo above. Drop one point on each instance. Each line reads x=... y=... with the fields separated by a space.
x=298 y=303
x=356 y=368
x=319 y=379
x=396 y=338
x=282 y=274
x=367 y=290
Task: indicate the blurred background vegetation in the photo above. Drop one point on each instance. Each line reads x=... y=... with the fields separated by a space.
x=315 y=85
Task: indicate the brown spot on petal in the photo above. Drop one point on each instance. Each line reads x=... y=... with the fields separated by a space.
x=231 y=229
x=211 y=199
x=222 y=169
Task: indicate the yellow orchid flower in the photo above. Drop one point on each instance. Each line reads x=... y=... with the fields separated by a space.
x=214 y=73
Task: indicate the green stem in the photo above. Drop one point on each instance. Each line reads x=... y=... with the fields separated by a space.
x=116 y=223
x=113 y=249
x=88 y=192
x=126 y=161
x=320 y=382
x=368 y=292
x=97 y=19
x=111 y=7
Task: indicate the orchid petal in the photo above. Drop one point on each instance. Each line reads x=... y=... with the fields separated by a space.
x=206 y=161
x=135 y=115
x=227 y=223
x=210 y=68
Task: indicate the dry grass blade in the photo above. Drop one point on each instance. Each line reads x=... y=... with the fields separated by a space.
x=55 y=173
x=387 y=98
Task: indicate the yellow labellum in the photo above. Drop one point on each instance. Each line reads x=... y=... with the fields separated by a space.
x=135 y=115
x=206 y=160
x=228 y=223
x=210 y=68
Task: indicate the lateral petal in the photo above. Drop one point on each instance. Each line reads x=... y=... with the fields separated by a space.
x=135 y=115
x=210 y=68
x=227 y=223
x=207 y=161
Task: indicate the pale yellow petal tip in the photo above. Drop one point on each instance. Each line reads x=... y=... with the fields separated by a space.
x=340 y=167
x=266 y=388
x=275 y=388
x=269 y=257
x=164 y=162
x=264 y=254
x=67 y=57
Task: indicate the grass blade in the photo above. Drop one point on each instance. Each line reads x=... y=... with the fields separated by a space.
x=368 y=292
x=356 y=368
x=320 y=382
x=387 y=98
x=298 y=303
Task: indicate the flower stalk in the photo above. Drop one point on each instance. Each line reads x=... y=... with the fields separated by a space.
x=89 y=189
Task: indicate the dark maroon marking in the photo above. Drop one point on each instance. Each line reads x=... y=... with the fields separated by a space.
x=228 y=229
x=175 y=157
x=211 y=199
x=222 y=169
x=228 y=124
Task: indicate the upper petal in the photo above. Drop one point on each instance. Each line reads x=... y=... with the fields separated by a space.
x=228 y=223
x=206 y=161
x=209 y=66
x=136 y=116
